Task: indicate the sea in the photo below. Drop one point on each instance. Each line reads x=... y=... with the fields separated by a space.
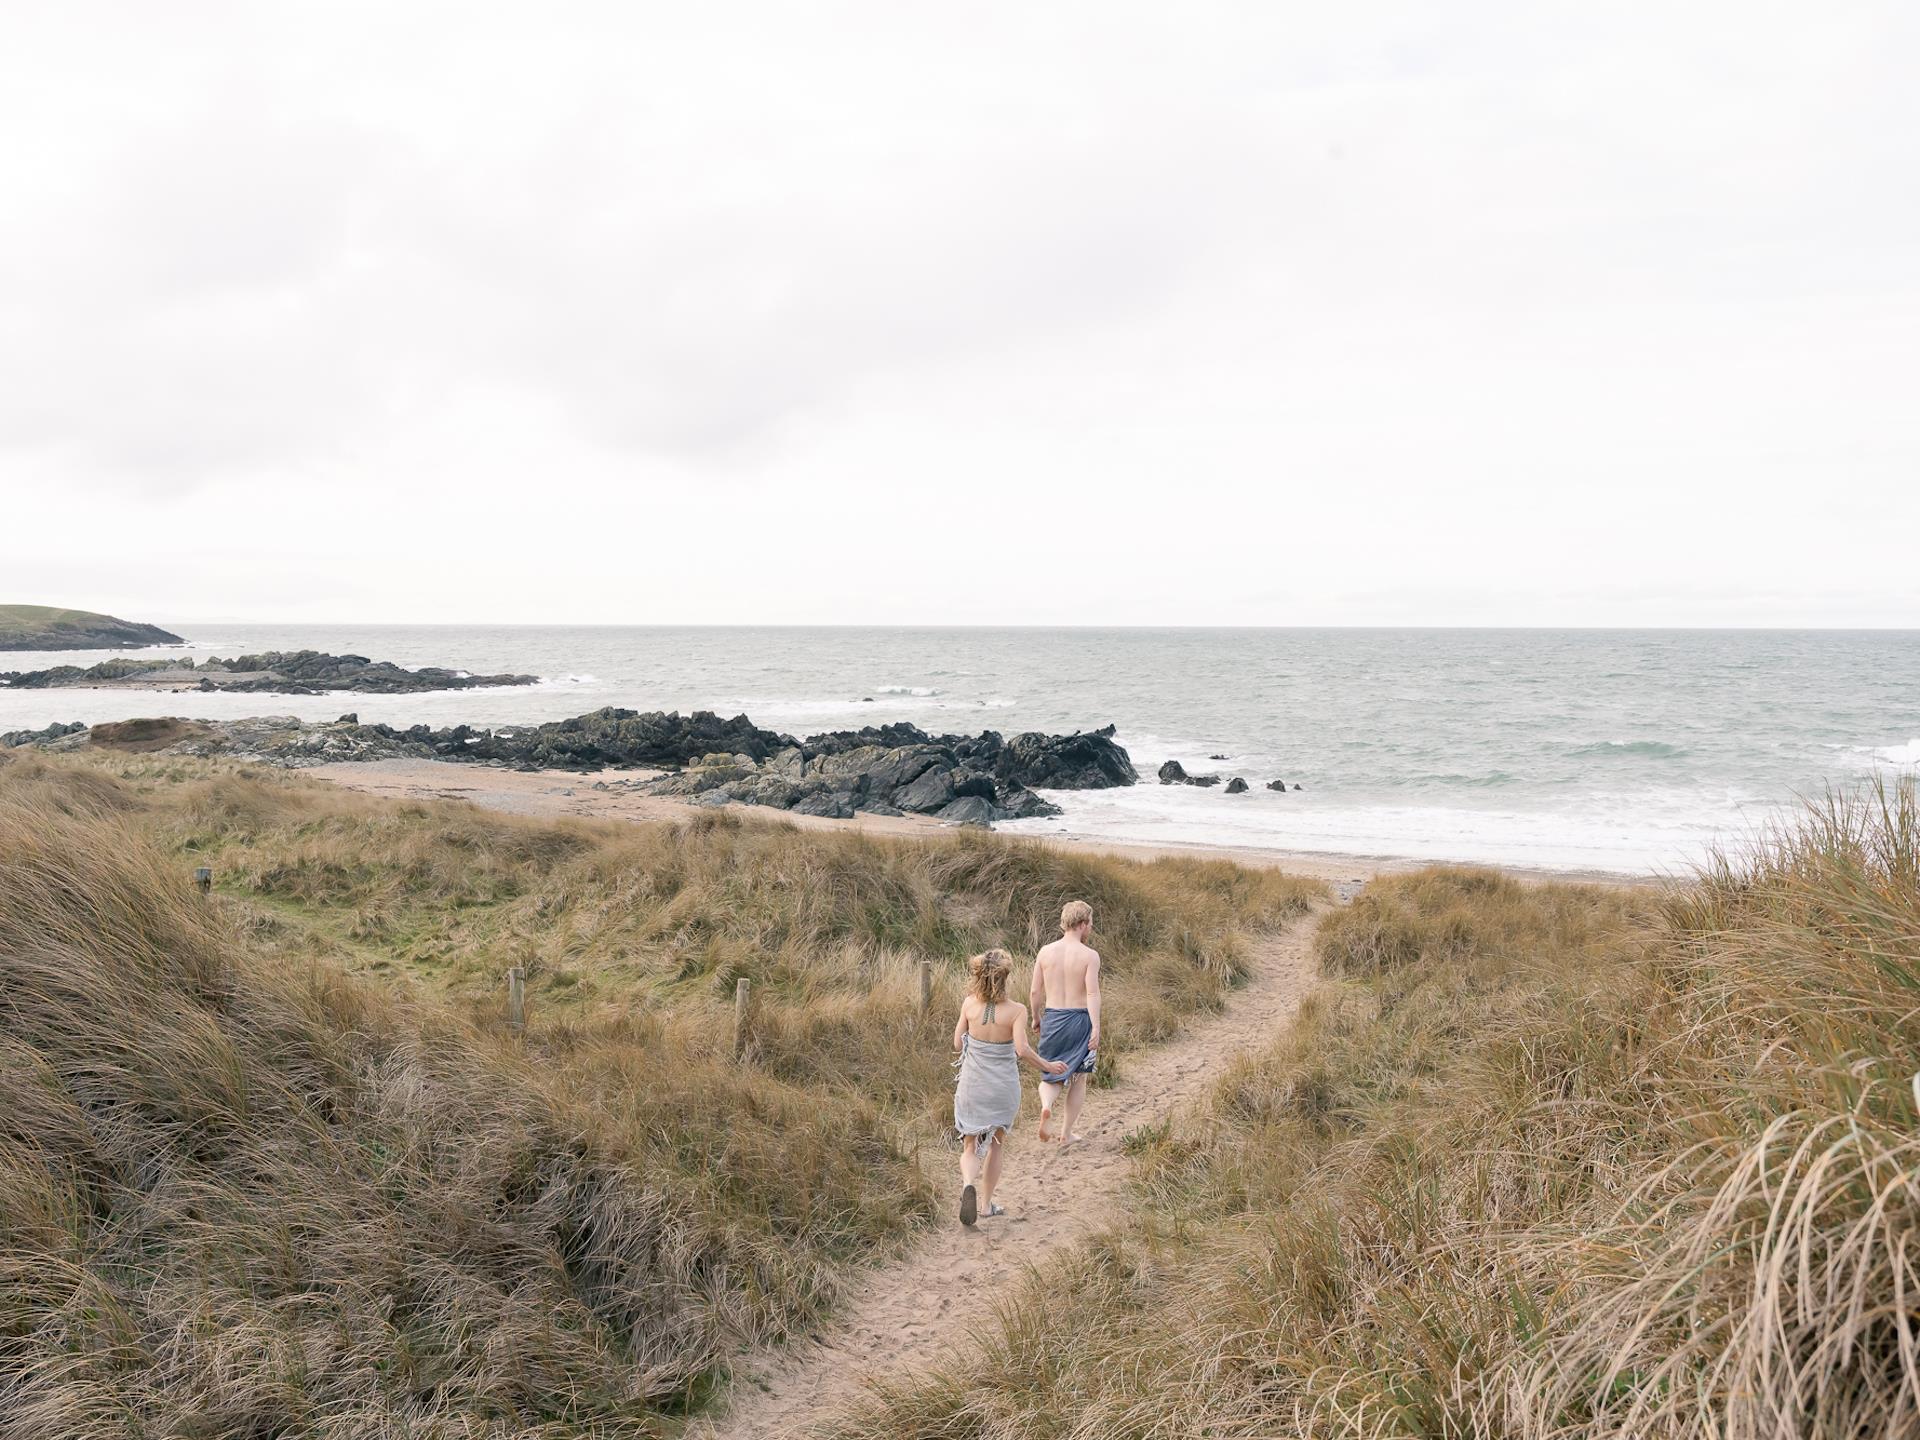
x=1620 y=751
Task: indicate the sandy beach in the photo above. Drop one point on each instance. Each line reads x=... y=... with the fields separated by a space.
x=607 y=795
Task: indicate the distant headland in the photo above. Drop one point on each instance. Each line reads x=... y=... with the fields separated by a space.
x=47 y=627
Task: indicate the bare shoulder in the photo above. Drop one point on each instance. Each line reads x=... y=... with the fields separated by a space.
x=1051 y=949
x=1018 y=1010
x=1093 y=956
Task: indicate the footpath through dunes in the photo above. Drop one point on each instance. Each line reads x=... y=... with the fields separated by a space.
x=915 y=1312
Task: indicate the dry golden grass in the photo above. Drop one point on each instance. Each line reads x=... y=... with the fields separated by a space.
x=1540 y=1161
x=269 y=1163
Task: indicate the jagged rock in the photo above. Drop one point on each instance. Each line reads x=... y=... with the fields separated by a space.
x=970 y=810
x=1065 y=762
x=1019 y=803
x=1174 y=773
x=973 y=782
x=55 y=731
x=889 y=811
x=1219 y=757
x=1277 y=785
x=834 y=804
x=352 y=717
x=1236 y=786
x=931 y=790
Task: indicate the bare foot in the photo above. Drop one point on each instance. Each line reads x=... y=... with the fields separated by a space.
x=1045 y=1116
x=1073 y=1139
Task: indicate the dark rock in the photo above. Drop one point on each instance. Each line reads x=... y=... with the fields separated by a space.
x=1279 y=786
x=352 y=717
x=834 y=804
x=56 y=731
x=1019 y=803
x=1236 y=786
x=1174 y=773
x=932 y=790
x=1065 y=762
x=1219 y=757
x=973 y=782
x=970 y=810
x=889 y=811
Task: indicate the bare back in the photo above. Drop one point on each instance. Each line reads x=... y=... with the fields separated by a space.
x=1063 y=969
x=1009 y=1019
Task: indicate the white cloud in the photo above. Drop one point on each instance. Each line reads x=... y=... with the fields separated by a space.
x=1225 y=313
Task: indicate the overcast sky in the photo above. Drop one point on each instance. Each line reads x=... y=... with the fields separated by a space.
x=1062 y=313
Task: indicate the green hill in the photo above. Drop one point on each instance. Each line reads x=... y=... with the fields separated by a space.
x=46 y=627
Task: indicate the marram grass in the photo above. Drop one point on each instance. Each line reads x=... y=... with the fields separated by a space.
x=271 y=1165
x=1537 y=1161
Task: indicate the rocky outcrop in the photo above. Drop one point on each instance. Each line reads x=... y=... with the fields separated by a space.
x=276 y=672
x=1088 y=760
x=1174 y=773
x=894 y=770
x=1236 y=786
x=1278 y=786
x=55 y=731
x=46 y=627
x=920 y=776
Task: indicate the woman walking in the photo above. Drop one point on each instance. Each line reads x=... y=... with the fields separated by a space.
x=991 y=1037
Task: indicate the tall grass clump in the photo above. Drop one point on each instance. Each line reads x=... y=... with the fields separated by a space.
x=244 y=1197
x=616 y=924
x=1535 y=1161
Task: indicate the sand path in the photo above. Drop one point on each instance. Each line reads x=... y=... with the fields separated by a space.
x=909 y=1315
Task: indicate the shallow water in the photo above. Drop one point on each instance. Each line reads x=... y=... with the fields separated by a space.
x=1608 y=750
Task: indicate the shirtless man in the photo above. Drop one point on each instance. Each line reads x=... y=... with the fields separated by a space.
x=1065 y=1009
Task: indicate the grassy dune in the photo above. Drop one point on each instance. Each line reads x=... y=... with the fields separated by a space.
x=270 y=1164
x=1538 y=1161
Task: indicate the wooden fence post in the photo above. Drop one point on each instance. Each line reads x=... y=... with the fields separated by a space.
x=516 y=1000
x=926 y=987
x=203 y=877
x=742 y=1017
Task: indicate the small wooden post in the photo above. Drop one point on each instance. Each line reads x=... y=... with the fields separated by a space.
x=742 y=1017
x=203 y=877
x=516 y=999
x=926 y=987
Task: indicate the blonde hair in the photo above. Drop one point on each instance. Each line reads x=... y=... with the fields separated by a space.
x=1074 y=914
x=990 y=972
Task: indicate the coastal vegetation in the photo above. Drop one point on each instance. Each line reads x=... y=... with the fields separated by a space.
x=272 y=1162
x=1537 y=1160
x=48 y=627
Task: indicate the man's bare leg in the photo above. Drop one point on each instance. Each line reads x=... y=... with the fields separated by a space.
x=1049 y=1096
x=1076 y=1097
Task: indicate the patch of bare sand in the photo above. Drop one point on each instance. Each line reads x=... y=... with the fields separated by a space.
x=606 y=795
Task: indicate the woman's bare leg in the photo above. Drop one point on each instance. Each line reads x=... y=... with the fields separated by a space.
x=996 y=1156
x=970 y=1161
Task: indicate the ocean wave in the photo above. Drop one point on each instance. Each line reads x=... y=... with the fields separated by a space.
x=1907 y=754
x=919 y=692
x=1653 y=749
